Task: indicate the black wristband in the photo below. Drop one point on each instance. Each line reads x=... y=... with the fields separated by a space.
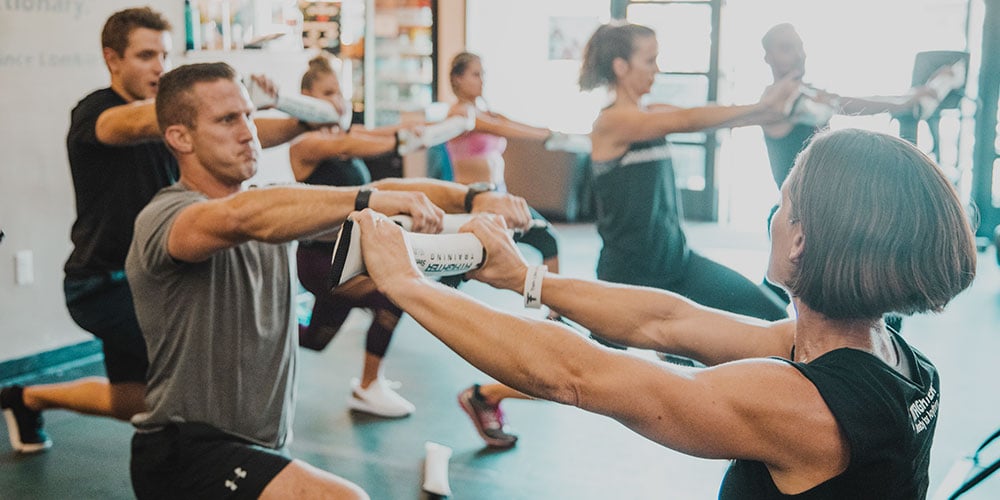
x=474 y=189
x=361 y=201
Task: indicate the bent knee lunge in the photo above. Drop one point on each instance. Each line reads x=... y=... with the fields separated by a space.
x=304 y=481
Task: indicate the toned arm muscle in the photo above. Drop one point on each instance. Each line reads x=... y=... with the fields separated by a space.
x=128 y=124
x=274 y=215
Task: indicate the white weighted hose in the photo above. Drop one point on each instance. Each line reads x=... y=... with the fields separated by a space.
x=447 y=253
x=305 y=108
x=942 y=82
x=804 y=109
x=434 y=254
x=433 y=134
x=572 y=143
x=436 y=469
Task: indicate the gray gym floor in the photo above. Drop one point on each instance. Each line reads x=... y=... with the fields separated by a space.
x=563 y=453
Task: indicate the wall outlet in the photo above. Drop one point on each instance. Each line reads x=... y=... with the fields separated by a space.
x=24 y=267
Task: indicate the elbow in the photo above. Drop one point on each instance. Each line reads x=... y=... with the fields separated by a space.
x=651 y=334
x=568 y=390
x=562 y=383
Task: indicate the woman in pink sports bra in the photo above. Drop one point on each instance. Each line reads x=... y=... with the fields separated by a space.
x=476 y=151
x=477 y=157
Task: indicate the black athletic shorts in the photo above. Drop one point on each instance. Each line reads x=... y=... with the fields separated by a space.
x=102 y=305
x=194 y=460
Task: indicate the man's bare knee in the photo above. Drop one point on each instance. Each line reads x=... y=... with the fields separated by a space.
x=303 y=481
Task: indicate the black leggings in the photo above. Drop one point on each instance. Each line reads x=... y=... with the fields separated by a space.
x=330 y=311
x=714 y=285
x=542 y=238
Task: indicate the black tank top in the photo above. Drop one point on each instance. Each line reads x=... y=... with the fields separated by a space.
x=782 y=151
x=638 y=217
x=340 y=172
x=335 y=172
x=888 y=421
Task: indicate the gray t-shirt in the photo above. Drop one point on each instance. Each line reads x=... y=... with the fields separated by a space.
x=220 y=333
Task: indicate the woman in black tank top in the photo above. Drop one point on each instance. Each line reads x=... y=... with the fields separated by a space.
x=333 y=157
x=830 y=405
x=638 y=208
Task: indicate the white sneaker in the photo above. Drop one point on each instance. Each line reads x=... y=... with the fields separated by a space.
x=378 y=399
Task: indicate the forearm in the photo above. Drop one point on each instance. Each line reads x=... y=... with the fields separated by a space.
x=449 y=196
x=510 y=129
x=383 y=131
x=275 y=131
x=282 y=214
x=664 y=321
x=630 y=315
x=369 y=145
x=710 y=117
x=317 y=147
x=540 y=358
x=873 y=105
x=128 y=124
x=271 y=215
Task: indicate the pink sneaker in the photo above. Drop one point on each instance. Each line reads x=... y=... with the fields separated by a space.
x=487 y=418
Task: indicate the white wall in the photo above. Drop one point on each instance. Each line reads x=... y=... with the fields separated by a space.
x=50 y=57
x=512 y=37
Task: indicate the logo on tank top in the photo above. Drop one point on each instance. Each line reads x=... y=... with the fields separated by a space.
x=923 y=411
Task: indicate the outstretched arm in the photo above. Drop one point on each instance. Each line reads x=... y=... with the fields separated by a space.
x=450 y=196
x=761 y=409
x=314 y=147
x=282 y=214
x=276 y=131
x=637 y=316
x=136 y=122
x=497 y=124
x=619 y=126
x=128 y=124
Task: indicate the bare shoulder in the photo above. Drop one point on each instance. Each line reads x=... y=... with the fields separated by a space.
x=784 y=419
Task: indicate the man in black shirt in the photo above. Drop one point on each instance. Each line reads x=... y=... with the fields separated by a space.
x=118 y=162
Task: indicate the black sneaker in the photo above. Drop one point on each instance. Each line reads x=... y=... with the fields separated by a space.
x=24 y=425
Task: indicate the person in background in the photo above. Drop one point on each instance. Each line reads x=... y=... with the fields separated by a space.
x=477 y=160
x=638 y=213
x=118 y=162
x=477 y=156
x=831 y=404
x=211 y=273
x=784 y=52
x=331 y=156
x=638 y=210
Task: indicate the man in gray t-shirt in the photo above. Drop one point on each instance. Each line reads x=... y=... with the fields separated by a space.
x=212 y=284
x=211 y=319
